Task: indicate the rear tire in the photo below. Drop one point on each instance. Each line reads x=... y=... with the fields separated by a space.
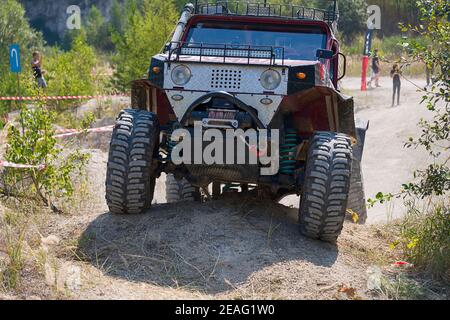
x=130 y=175
x=180 y=190
x=357 y=197
x=323 y=203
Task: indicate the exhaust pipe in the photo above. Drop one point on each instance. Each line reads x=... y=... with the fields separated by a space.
x=186 y=14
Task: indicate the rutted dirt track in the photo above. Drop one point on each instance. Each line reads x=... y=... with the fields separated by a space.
x=234 y=247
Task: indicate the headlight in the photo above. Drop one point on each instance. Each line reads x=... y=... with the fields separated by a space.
x=270 y=79
x=181 y=75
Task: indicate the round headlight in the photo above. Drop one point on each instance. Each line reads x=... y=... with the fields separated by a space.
x=181 y=75
x=270 y=79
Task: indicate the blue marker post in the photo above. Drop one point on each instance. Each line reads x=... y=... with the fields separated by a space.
x=15 y=67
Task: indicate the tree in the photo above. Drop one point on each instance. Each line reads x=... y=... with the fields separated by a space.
x=146 y=30
x=117 y=18
x=352 y=18
x=97 y=30
x=435 y=136
x=71 y=72
x=14 y=28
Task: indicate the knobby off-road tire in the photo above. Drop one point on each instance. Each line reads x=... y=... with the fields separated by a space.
x=324 y=197
x=357 y=197
x=130 y=178
x=180 y=190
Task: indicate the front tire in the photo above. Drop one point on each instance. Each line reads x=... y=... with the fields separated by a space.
x=130 y=175
x=323 y=203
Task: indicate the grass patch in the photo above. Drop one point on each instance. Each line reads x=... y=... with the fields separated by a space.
x=424 y=240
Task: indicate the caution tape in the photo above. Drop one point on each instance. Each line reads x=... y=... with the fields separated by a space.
x=6 y=164
x=61 y=134
x=60 y=97
x=72 y=132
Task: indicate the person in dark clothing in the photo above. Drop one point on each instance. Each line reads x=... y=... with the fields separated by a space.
x=376 y=69
x=37 y=71
x=396 y=73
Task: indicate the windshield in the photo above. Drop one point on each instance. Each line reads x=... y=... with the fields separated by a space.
x=298 y=43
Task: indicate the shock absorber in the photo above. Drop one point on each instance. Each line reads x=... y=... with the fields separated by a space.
x=231 y=187
x=288 y=151
x=170 y=144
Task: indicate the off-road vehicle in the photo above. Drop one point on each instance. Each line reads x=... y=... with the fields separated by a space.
x=240 y=66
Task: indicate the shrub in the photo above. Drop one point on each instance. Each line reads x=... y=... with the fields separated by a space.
x=71 y=72
x=34 y=144
x=425 y=239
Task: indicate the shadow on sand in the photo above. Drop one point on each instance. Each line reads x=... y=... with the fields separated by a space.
x=205 y=247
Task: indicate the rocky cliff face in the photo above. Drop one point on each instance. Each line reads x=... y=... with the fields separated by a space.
x=50 y=16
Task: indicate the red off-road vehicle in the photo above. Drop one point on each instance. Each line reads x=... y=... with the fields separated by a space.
x=238 y=66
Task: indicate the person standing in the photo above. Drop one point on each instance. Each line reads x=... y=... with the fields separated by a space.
x=36 y=65
x=376 y=69
x=396 y=73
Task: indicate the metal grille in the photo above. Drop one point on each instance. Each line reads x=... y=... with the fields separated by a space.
x=226 y=79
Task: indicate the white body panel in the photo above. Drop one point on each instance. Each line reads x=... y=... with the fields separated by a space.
x=242 y=81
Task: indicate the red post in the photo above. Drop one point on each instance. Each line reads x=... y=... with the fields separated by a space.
x=365 y=64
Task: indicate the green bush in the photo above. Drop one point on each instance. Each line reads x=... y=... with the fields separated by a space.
x=33 y=143
x=71 y=72
x=146 y=31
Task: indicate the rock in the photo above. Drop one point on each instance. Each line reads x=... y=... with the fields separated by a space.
x=50 y=16
x=50 y=241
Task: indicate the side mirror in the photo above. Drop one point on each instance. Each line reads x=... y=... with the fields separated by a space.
x=342 y=66
x=324 y=54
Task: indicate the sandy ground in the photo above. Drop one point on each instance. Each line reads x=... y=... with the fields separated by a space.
x=234 y=247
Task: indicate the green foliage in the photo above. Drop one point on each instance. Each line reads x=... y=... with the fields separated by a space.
x=117 y=18
x=145 y=32
x=98 y=31
x=435 y=136
x=352 y=19
x=14 y=28
x=71 y=72
x=425 y=239
x=34 y=144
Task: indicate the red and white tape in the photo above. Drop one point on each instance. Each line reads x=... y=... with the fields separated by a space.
x=72 y=132
x=62 y=133
x=7 y=164
x=60 y=97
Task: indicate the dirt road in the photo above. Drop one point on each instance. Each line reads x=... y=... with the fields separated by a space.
x=235 y=247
